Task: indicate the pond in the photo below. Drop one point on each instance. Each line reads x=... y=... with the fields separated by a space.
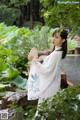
x=71 y=66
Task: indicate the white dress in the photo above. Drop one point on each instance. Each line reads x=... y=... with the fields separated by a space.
x=44 y=79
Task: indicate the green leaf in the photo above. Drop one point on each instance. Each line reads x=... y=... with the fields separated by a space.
x=20 y=82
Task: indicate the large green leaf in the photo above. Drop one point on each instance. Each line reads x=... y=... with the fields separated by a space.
x=20 y=82
x=8 y=74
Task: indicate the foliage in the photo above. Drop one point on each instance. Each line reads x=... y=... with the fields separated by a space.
x=6 y=61
x=56 y=14
x=9 y=15
x=10 y=10
x=71 y=44
x=63 y=106
x=18 y=2
x=40 y=37
x=15 y=44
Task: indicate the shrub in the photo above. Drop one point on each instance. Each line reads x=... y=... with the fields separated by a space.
x=63 y=106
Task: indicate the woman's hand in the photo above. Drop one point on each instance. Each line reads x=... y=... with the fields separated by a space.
x=33 y=54
x=30 y=57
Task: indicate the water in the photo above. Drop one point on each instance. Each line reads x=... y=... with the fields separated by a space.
x=71 y=66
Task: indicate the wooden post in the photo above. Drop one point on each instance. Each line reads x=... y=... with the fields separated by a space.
x=77 y=50
x=64 y=83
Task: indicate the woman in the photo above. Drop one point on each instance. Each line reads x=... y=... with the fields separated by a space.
x=44 y=79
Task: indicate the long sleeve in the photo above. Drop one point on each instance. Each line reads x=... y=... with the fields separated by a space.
x=44 y=52
x=49 y=63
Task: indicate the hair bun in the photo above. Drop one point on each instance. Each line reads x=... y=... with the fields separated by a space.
x=64 y=34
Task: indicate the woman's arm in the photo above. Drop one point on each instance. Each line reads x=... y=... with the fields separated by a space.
x=40 y=53
x=39 y=59
x=51 y=62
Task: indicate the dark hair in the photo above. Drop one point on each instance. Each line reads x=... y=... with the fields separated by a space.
x=63 y=34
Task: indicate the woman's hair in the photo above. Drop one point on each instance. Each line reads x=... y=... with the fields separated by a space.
x=63 y=33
